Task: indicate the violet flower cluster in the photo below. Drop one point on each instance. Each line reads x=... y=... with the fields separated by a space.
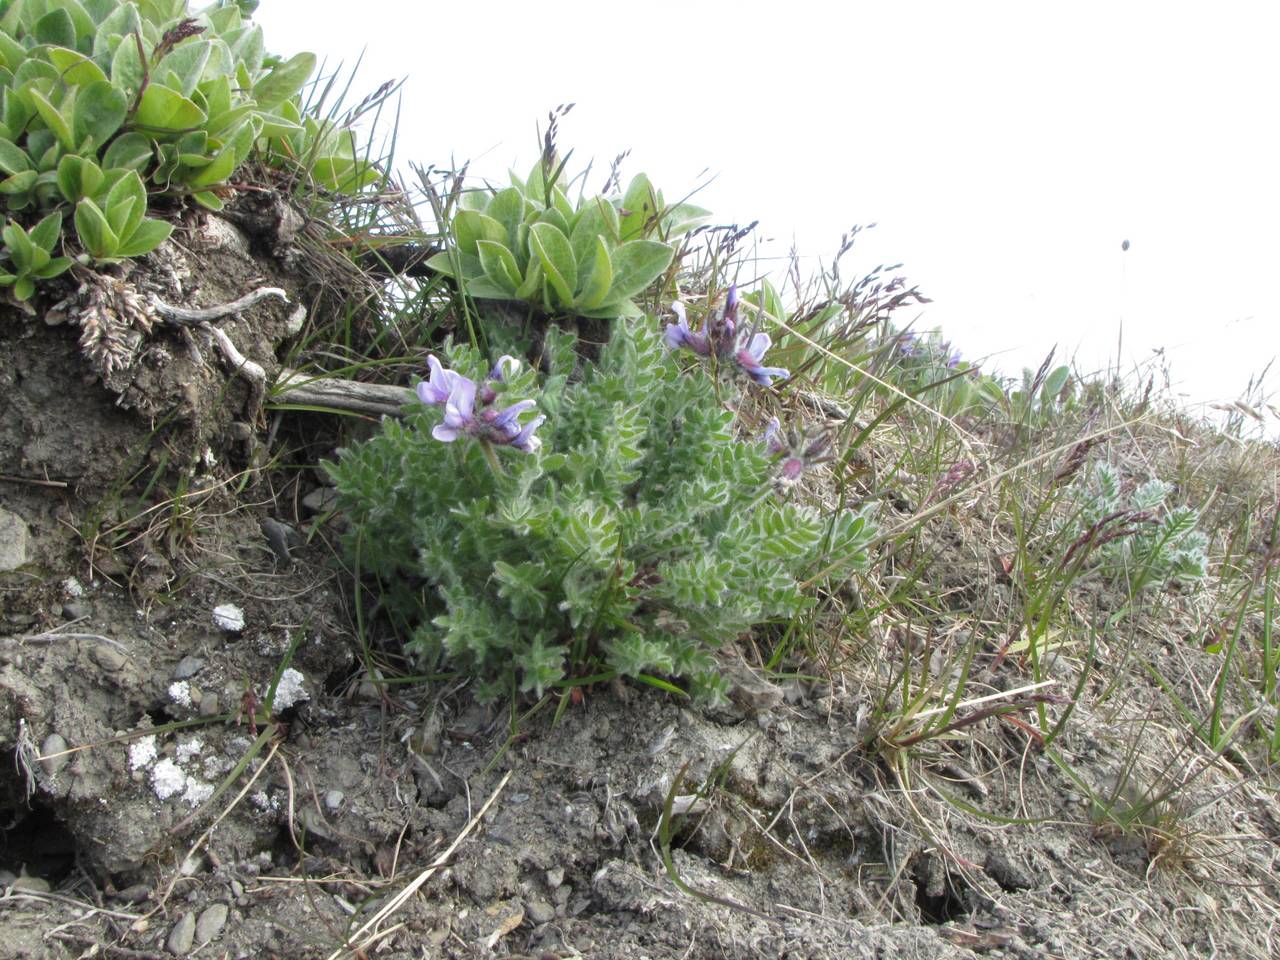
x=469 y=408
x=796 y=452
x=910 y=345
x=720 y=337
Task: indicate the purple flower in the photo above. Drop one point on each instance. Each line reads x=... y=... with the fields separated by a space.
x=469 y=410
x=525 y=440
x=505 y=422
x=731 y=301
x=679 y=335
x=750 y=356
x=719 y=338
x=953 y=356
x=772 y=437
x=795 y=452
x=437 y=389
x=506 y=366
x=459 y=411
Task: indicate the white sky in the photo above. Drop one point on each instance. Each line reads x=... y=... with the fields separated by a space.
x=1004 y=149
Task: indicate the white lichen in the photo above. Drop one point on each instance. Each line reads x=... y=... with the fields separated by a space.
x=197 y=791
x=167 y=779
x=290 y=690
x=142 y=752
x=228 y=617
x=180 y=693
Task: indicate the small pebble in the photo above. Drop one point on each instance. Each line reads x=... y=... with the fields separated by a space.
x=53 y=754
x=187 y=667
x=108 y=658
x=539 y=911
x=31 y=884
x=237 y=888
x=320 y=500
x=211 y=922
x=192 y=865
x=333 y=800
x=134 y=893
x=74 y=610
x=209 y=705
x=555 y=877
x=182 y=936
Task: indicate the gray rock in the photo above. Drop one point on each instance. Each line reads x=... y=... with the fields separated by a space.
x=192 y=865
x=539 y=911
x=320 y=500
x=14 y=541
x=31 y=884
x=555 y=877
x=182 y=936
x=75 y=610
x=187 y=667
x=49 y=750
x=7 y=877
x=752 y=692
x=211 y=922
x=135 y=893
x=209 y=705
x=108 y=658
x=333 y=800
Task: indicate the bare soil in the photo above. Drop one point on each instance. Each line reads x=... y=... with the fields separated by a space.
x=143 y=515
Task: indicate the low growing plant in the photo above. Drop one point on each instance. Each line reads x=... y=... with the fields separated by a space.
x=631 y=535
x=529 y=242
x=1137 y=539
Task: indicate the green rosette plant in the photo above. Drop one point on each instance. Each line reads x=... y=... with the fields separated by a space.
x=105 y=102
x=529 y=242
x=631 y=535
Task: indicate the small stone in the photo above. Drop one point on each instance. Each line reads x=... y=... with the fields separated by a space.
x=209 y=705
x=13 y=541
x=187 y=667
x=182 y=936
x=750 y=690
x=134 y=893
x=75 y=610
x=7 y=877
x=320 y=500
x=53 y=754
x=192 y=865
x=31 y=884
x=108 y=657
x=237 y=888
x=555 y=877
x=211 y=922
x=333 y=800
x=539 y=912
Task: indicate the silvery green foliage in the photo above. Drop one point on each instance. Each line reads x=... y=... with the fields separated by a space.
x=1165 y=545
x=638 y=537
